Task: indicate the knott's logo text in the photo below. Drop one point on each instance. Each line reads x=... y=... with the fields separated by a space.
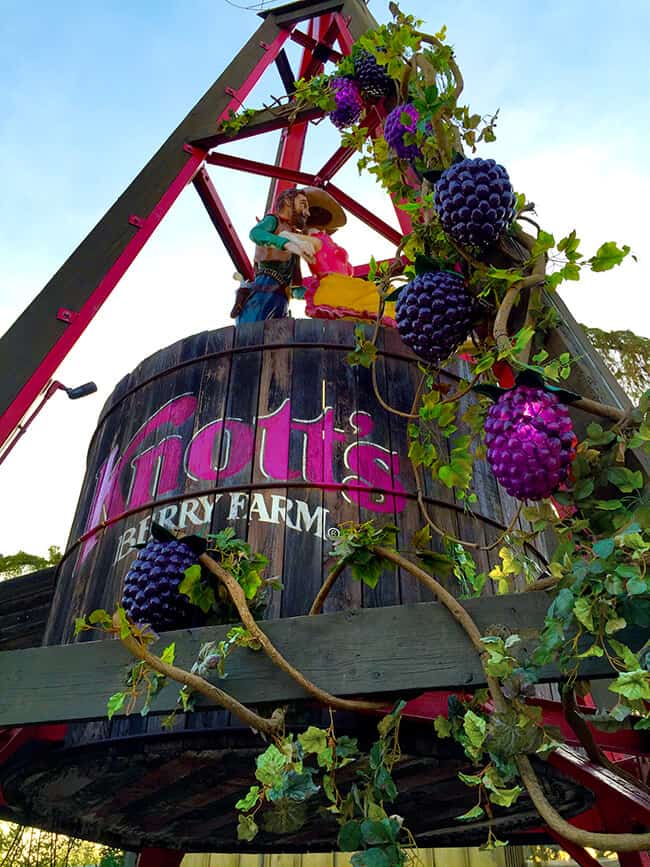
x=225 y=447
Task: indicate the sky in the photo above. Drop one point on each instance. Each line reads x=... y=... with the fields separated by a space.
x=88 y=92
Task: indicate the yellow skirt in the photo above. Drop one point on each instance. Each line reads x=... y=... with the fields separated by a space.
x=337 y=296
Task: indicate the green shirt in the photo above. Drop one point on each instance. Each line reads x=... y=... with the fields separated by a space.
x=263 y=233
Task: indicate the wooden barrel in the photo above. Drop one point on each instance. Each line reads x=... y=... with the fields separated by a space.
x=269 y=430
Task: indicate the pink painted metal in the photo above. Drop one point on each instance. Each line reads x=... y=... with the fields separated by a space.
x=311 y=44
x=363 y=214
x=222 y=223
x=253 y=167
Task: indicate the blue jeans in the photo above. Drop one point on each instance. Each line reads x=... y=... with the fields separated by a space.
x=264 y=305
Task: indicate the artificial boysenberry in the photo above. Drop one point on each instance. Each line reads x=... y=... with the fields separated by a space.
x=530 y=442
x=397 y=125
x=151 y=587
x=475 y=201
x=435 y=313
x=374 y=82
x=348 y=102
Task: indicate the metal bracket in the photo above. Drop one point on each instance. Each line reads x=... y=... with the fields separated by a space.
x=136 y=221
x=63 y=314
x=188 y=149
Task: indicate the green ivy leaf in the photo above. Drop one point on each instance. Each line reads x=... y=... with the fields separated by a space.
x=583 y=612
x=632 y=684
x=476 y=812
x=169 y=653
x=295 y=786
x=314 y=740
x=246 y=829
x=607 y=256
x=505 y=797
x=628 y=658
x=285 y=817
x=349 y=839
x=442 y=727
x=270 y=766
x=475 y=728
x=100 y=618
x=604 y=548
x=249 y=800
x=115 y=703
x=624 y=479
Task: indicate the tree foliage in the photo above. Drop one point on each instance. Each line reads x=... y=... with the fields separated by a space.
x=21 y=563
x=628 y=357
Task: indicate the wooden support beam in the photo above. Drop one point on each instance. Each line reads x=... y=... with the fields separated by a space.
x=394 y=651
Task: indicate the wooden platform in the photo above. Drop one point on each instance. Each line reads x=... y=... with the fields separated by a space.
x=179 y=791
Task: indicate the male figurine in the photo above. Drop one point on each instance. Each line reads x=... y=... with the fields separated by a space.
x=279 y=246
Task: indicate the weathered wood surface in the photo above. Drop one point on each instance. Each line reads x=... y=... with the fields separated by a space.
x=378 y=651
x=292 y=442
x=24 y=609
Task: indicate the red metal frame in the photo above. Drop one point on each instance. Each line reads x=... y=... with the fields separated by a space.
x=159 y=858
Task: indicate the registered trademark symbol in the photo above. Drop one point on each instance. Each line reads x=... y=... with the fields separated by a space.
x=333 y=533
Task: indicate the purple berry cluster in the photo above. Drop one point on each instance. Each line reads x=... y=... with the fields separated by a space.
x=395 y=129
x=530 y=442
x=348 y=102
x=372 y=78
x=475 y=201
x=435 y=313
x=151 y=587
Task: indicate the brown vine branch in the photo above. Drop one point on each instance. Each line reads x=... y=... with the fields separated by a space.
x=239 y=600
x=458 y=76
x=541 y=584
x=429 y=520
x=602 y=409
x=323 y=593
x=271 y=726
x=612 y=842
x=508 y=530
x=500 y=330
x=615 y=842
x=382 y=402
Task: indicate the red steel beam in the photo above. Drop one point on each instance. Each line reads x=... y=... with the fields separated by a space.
x=312 y=44
x=363 y=214
x=292 y=143
x=341 y=155
x=219 y=216
x=252 y=167
x=159 y=858
x=625 y=804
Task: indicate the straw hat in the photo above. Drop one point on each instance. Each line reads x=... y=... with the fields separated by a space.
x=324 y=211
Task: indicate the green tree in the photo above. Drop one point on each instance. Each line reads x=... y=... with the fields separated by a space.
x=14 y=565
x=628 y=357
x=30 y=847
